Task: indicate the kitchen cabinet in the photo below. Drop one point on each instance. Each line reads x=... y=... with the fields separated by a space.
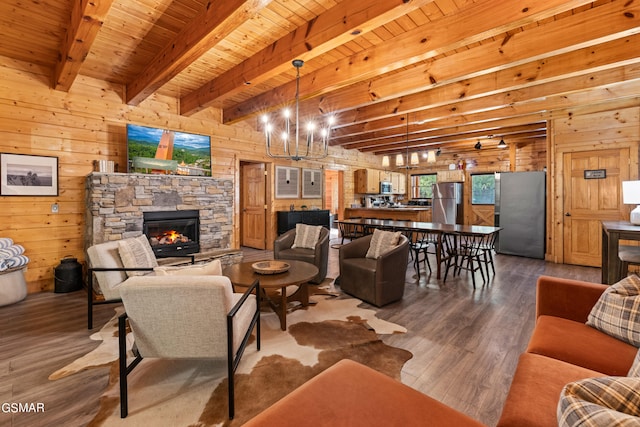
x=288 y=219
x=367 y=181
x=399 y=183
x=385 y=176
x=456 y=175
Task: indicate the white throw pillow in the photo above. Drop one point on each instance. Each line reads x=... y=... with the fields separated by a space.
x=136 y=252
x=617 y=311
x=306 y=236
x=213 y=268
x=381 y=242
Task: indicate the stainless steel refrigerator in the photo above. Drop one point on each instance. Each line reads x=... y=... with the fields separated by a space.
x=520 y=209
x=446 y=205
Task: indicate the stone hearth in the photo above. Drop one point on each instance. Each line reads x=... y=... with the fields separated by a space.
x=116 y=202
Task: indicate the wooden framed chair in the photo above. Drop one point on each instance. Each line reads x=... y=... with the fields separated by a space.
x=463 y=252
x=160 y=309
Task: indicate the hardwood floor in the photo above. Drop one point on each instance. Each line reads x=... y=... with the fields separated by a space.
x=465 y=342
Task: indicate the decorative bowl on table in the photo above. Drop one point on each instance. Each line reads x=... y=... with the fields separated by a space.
x=270 y=267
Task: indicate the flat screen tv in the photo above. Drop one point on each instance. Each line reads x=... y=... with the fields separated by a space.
x=162 y=151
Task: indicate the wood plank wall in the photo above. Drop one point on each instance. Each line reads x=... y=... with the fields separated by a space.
x=89 y=123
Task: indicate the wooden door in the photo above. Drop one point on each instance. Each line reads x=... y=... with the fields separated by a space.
x=587 y=202
x=253 y=206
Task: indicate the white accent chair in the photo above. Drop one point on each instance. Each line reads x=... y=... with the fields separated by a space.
x=161 y=311
x=106 y=273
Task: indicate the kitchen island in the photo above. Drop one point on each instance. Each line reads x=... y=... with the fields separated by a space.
x=404 y=213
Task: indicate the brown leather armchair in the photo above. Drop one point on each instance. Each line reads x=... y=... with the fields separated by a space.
x=318 y=256
x=377 y=281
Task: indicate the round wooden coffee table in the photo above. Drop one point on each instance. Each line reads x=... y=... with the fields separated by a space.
x=299 y=274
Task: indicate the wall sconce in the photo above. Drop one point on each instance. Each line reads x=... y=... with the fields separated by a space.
x=431 y=157
x=502 y=144
x=385 y=161
x=478 y=145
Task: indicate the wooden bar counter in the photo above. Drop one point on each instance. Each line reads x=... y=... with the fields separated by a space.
x=405 y=213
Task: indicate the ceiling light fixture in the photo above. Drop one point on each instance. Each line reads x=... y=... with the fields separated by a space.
x=439 y=151
x=502 y=144
x=385 y=161
x=291 y=148
x=478 y=145
x=412 y=160
x=431 y=156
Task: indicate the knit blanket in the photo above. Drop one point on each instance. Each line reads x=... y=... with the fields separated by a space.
x=11 y=254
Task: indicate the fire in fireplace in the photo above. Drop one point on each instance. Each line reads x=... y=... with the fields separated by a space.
x=172 y=233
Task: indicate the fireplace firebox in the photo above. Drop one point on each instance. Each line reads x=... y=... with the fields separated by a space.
x=172 y=233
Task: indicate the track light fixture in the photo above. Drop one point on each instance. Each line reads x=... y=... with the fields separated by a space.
x=438 y=152
x=478 y=145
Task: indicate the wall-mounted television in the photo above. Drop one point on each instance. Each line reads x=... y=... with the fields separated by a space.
x=163 y=151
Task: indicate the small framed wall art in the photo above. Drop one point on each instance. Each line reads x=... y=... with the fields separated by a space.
x=311 y=183
x=28 y=175
x=287 y=182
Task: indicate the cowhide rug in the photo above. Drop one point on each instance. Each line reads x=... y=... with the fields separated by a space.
x=193 y=393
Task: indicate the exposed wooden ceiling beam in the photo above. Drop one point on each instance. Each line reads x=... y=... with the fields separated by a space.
x=593 y=44
x=85 y=22
x=474 y=23
x=335 y=27
x=207 y=29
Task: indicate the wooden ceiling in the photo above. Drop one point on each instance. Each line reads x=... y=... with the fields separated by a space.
x=421 y=74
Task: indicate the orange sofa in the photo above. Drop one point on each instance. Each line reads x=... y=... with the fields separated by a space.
x=562 y=349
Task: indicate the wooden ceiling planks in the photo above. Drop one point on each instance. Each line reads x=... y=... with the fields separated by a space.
x=483 y=64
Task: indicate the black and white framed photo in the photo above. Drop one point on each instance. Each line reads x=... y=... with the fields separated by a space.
x=28 y=175
x=311 y=183
x=287 y=182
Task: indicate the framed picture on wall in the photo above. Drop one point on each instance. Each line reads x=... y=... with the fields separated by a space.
x=311 y=183
x=287 y=182
x=28 y=175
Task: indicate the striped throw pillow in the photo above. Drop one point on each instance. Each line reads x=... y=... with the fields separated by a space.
x=382 y=241
x=306 y=236
x=136 y=252
x=617 y=312
x=597 y=402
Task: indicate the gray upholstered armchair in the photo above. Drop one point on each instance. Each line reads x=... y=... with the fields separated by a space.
x=318 y=256
x=377 y=281
x=198 y=318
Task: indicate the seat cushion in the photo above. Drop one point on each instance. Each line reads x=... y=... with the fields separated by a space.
x=582 y=345
x=535 y=390
x=298 y=254
x=212 y=268
x=617 y=311
x=606 y=401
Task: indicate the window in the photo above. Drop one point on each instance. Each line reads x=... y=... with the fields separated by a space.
x=483 y=189
x=421 y=186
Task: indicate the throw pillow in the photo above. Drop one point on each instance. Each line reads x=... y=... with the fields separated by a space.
x=136 y=252
x=605 y=401
x=382 y=241
x=306 y=236
x=634 y=371
x=617 y=312
x=212 y=268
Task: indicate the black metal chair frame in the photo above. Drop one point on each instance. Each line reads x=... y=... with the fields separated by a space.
x=232 y=361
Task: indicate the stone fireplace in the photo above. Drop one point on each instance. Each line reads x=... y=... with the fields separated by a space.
x=116 y=205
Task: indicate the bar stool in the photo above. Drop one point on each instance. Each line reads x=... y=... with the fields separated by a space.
x=629 y=255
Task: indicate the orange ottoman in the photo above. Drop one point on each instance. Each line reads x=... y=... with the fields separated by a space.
x=350 y=394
